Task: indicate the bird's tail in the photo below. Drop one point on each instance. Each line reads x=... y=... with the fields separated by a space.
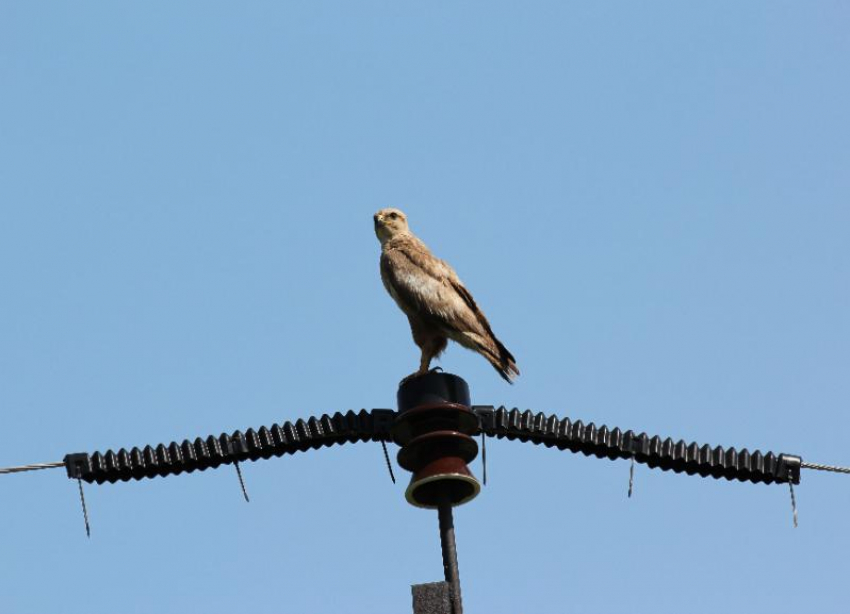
x=499 y=356
x=507 y=364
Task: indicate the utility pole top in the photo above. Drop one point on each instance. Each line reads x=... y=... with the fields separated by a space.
x=434 y=428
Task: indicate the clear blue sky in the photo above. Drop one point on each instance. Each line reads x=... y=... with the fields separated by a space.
x=650 y=201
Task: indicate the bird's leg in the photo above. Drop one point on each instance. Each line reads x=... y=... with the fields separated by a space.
x=424 y=364
x=432 y=345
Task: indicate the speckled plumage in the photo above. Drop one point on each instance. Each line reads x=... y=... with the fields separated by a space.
x=437 y=304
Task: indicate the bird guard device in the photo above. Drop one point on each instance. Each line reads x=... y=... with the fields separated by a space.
x=434 y=428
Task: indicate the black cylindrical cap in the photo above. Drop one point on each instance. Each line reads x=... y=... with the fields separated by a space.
x=432 y=388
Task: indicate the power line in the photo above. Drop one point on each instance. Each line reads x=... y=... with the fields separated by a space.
x=816 y=467
x=34 y=467
x=819 y=467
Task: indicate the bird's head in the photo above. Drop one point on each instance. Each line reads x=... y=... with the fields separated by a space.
x=390 y=223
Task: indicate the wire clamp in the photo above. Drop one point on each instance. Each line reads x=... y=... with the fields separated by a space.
x=78 y=465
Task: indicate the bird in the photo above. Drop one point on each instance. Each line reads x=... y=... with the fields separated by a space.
x=436 y=303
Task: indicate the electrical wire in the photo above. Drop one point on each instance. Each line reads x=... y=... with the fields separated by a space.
x=34 y=467
x=85 y=509
x=819 y=467
x=241 y=482
x=387 y=457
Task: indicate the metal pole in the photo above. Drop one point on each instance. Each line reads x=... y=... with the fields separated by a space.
x=447 y=542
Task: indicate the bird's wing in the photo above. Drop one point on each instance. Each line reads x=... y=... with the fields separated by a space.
x=488 y=344
x=427 y=286
x=419 y=283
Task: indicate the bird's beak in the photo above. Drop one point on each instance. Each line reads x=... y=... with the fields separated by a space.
x=379 y=220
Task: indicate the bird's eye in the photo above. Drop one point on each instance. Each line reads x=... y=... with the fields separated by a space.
x=393 y=215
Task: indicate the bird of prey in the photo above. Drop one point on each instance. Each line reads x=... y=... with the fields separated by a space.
x=437 y=304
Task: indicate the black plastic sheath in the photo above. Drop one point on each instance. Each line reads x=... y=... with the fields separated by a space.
x=374 y=425
x=201 y=454
x=666 y=454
